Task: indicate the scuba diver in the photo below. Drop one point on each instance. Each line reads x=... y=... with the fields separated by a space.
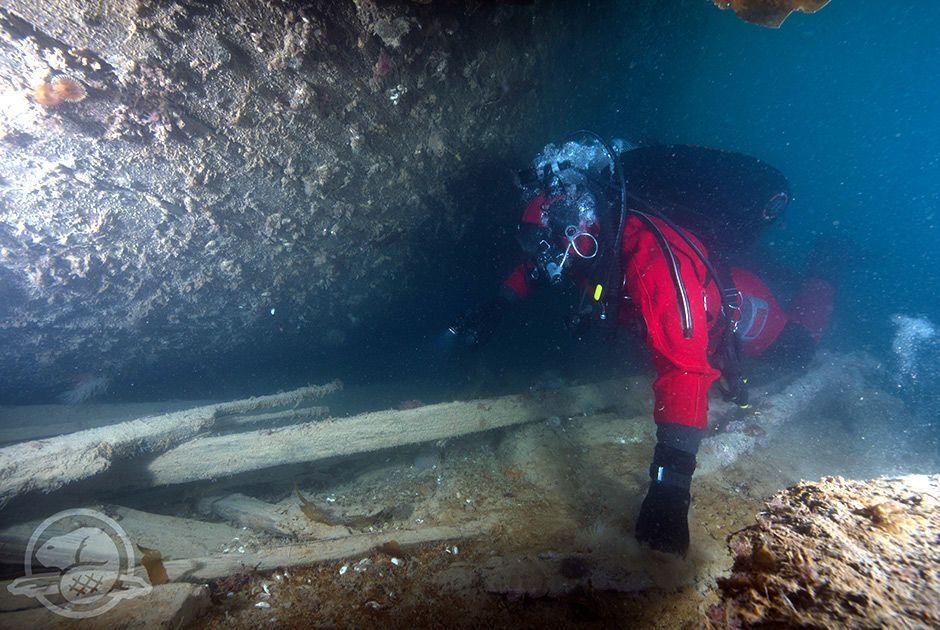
x=649 y=234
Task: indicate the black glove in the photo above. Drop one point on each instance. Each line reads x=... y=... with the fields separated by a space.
x=664 y=516
x=476 y=326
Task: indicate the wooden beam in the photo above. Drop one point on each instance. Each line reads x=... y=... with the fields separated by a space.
x=223 y=455
x=300 y=554
x=48 y=464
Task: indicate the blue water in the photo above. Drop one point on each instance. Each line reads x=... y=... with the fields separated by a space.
x=845 y=103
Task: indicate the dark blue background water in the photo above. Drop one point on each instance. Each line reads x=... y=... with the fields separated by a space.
x=845 y=102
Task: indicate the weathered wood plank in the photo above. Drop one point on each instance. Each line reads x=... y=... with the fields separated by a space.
x=49 y=464
x=213 y=567
x=220 y=456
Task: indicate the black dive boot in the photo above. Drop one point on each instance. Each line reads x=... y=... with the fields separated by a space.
x=664 y=516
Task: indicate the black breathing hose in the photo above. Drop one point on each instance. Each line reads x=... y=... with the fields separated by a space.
x=613 y=268
x=618 y=238
x=682 y=295
x=692 y=245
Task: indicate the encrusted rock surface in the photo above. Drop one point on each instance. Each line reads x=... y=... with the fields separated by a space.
x=240 y=170
x=838 y=554
x=186 y=179
x=770 y=13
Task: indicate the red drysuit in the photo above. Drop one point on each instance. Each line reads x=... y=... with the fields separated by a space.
x=684 y=371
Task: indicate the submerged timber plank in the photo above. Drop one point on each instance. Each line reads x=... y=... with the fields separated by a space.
x=47 y=465
x=220 y=456
x=214 y=567
x=34 y=422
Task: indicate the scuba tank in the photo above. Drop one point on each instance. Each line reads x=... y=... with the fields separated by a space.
x=726 y=199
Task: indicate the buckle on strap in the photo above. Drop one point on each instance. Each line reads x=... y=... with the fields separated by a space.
x=663 y=476
x=732 y=298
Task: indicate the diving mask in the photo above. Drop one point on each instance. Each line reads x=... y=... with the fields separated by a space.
x=552 y=258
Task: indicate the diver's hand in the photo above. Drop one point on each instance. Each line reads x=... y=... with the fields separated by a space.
x=734 y=389
x=664 y=516
x=476 y=326
x=664 y=519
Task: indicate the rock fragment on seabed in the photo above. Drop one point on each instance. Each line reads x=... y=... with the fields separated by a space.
x=838 y=553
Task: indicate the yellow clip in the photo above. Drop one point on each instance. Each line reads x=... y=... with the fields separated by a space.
x=597 y=293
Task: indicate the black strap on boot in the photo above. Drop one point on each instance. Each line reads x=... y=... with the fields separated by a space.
x=674 y=457
x=672 y=467
x=663 y=519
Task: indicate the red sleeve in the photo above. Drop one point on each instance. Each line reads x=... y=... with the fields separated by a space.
x=518 y=281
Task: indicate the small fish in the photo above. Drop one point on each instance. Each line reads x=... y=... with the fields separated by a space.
x=152 y=560
x=315 y=513
x=361 y=521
